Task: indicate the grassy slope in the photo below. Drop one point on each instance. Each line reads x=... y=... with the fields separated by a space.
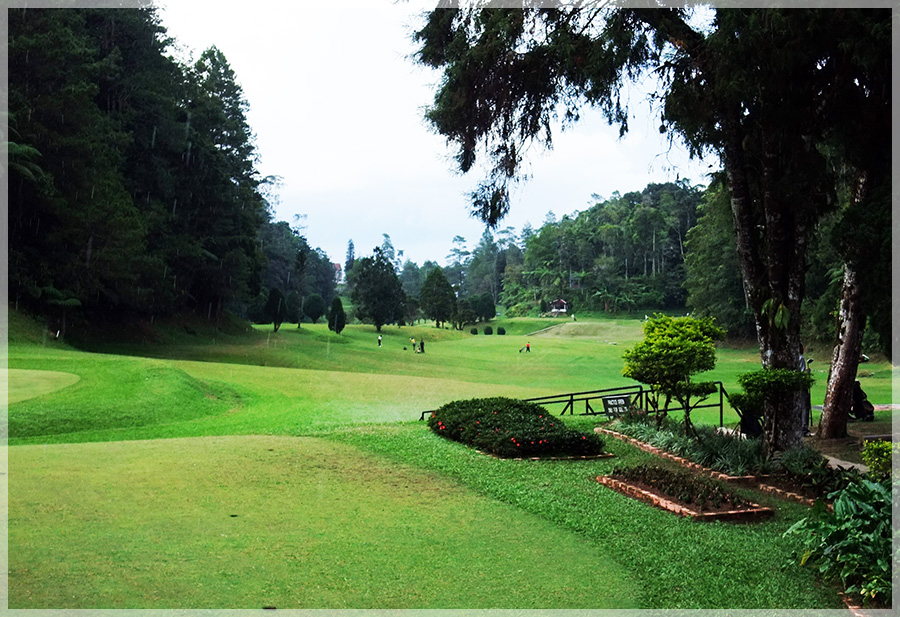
x=347 y=390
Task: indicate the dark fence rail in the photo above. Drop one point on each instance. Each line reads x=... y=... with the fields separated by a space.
x=616 y=400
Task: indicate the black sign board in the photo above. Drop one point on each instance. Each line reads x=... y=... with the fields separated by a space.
x=616 y=405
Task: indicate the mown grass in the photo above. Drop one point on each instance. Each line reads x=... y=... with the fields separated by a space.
x=259 y=387
x=282 y=522
x=680 y=563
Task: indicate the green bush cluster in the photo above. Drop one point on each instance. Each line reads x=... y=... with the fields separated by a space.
x=488 y=330
x=852 y=542
x=682 y=486
x=877 y=455
x=501 y=331
x=473 y=331
x=511 y=428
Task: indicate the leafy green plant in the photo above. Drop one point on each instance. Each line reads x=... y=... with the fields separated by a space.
x=809 y=471
x=853 y=541
x=511 y=428
x=877 y=456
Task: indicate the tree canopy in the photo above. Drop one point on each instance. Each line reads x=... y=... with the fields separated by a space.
x=762 y=89
x=376 y=291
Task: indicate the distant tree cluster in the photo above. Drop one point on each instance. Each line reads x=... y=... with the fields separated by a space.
x=306 y=277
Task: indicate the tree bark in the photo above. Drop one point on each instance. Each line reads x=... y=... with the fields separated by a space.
x=844 y=360
x=772 y=270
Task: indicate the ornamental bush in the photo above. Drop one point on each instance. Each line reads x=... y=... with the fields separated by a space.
x=877 y=457
x=511 y=428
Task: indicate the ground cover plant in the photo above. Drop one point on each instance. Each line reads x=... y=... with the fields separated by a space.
x=320 y=392
x=683 y=487
x=508 y=428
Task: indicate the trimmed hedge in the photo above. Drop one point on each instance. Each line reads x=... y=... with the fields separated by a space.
x=511 y=428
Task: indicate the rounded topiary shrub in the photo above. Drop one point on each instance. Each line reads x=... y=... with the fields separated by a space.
x=501 y=331
x=511 y=428
x=473 y=331
x=488 y=330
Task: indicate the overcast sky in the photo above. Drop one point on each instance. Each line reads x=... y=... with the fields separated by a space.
x=337 y=109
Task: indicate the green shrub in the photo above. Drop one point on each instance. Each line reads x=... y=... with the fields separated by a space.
x=511 y=428
x=488 y=330
x=853 y=541
x=501 y=331
x=685 y=487
x=473 y=331
x=877 y=457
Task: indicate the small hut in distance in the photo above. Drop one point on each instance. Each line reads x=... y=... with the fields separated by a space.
x=558 y=307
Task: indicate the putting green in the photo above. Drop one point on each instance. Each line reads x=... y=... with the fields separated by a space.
x=286 y=522
x=25 y=384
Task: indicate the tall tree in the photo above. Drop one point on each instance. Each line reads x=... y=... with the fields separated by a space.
x=337 y=318
x=713 y=278
x=376 y=291
x=437 y=299
x=351 y=257
x=756 y=87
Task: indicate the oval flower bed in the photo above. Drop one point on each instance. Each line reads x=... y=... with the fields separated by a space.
x=510 y=428
x=683 y=493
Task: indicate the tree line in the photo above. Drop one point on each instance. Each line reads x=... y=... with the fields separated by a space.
x=133 y=186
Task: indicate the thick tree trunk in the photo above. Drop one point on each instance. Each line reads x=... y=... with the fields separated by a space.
x=844 y=360
x=773 y=270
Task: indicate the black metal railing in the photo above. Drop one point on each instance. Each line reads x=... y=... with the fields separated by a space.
x=616 y=400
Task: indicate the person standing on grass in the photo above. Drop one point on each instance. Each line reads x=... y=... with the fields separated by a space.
x=527 y=347
x=422 y=346
x=379 y=340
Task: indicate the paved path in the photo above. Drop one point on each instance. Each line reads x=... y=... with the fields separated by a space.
x=836 y=462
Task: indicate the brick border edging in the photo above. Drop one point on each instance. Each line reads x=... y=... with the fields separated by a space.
x=753 y=513
x=754 y=481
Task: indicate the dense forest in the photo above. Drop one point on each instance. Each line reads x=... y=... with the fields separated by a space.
x=133 y=188
x=134 y=194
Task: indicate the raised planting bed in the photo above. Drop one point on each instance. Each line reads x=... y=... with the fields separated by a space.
x=697 y=497
x=779 y=486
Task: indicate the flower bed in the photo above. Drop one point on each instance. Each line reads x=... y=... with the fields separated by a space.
x=800 y=474
x=684 y=494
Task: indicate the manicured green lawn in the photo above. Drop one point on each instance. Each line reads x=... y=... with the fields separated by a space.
x=313 y=441
x=286 y=522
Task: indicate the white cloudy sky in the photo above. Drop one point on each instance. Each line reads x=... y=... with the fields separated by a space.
x=336 y=106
